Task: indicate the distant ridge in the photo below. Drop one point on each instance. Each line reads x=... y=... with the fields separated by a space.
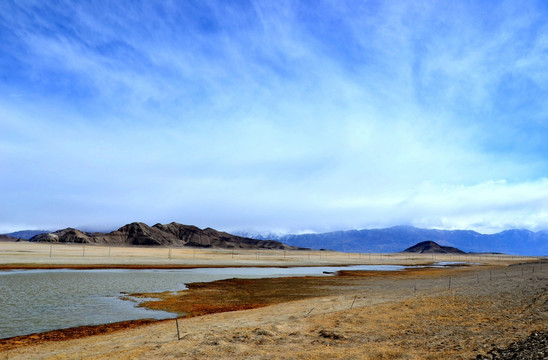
x=26 y=234
x=173 y=234
x=430 y=247
x=393 y=239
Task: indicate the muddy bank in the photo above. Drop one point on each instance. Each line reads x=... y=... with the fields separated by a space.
x=204 y=298
x=70 y=333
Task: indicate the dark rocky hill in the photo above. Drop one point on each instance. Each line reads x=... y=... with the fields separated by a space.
x=172 y=234
x=430 y=247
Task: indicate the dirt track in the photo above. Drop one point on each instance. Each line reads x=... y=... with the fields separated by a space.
x=430 y=314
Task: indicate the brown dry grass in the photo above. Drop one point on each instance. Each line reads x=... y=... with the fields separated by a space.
x=435 y=324
x=239 y=294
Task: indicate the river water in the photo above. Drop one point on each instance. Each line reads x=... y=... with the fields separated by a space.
x=41 y=300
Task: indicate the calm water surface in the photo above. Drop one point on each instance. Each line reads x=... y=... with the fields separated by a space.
x=40 y=300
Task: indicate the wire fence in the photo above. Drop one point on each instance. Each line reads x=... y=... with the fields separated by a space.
x=181 y=254
x=77 y=252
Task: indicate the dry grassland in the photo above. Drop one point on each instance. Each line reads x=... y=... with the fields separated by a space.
x=43 y=255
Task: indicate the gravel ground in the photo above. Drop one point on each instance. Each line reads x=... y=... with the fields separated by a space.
x=535 y=347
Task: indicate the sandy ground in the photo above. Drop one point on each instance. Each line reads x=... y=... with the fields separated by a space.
x=430 y=314
x=25 y=254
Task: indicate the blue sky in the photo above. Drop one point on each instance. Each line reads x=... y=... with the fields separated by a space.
x=283 y=116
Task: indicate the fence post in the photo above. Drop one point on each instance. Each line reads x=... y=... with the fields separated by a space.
x=353 y=301
x=177 y=324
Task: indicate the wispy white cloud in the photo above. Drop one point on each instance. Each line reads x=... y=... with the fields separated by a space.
x=274 y=115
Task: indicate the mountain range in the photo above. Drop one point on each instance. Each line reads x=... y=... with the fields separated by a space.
x=397 y=238
x=172 y=234
x=25 y=234
x=394 y=239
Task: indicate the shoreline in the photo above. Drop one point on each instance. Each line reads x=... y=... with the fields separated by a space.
x=224 y=302
x=90 y=330
x=101 y=329
x=382 y=307
x=5 y=267
x=415 y=315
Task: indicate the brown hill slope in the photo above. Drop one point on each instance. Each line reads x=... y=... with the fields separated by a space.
x=7 y=238
x=173 y=234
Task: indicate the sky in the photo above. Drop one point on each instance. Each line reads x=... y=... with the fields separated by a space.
x=274 y=116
